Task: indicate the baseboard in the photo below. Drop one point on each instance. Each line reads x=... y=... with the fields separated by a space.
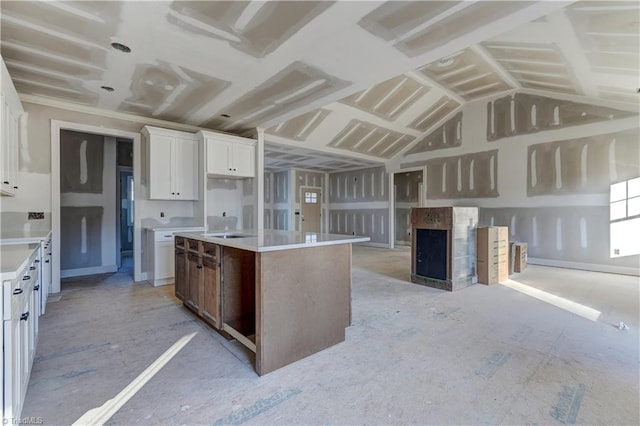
x=162 y=281
x=623 y=270
x=106 y=269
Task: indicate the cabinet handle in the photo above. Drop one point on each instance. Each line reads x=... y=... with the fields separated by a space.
x=177 y=193
x=199 y=266
x=26 y=277
x=15 y=187
x=17 y=291
x=32 y=268
x=6 y=182
x=36 y=288
x=173 y=193
x=47 y=261
x=24 y=316
x=36 y=261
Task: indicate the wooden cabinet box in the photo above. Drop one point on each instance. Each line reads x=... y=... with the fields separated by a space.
x=492 y=254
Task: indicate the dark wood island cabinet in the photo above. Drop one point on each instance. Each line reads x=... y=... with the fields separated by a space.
x=281 y=294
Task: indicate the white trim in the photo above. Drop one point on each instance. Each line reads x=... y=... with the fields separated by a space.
x=377 y=245
x=623 y=270
x=56 y=126
x=106 y=269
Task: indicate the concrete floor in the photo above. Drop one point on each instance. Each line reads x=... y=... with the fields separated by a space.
x=414 y=355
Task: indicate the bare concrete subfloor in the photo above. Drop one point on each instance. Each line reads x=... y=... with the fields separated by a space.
x=414 y=355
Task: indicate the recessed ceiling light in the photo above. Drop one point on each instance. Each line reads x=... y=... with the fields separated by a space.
x=225 y=115
x=121 y=47
x=445 y=62
x=107 y=88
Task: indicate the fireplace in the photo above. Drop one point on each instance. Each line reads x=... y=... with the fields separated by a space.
x=443 y=246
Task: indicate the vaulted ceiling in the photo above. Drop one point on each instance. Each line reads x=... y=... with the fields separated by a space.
x=360 y=82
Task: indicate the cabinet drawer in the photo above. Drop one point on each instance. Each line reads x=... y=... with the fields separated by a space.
x=163 y=236
x=209 y=251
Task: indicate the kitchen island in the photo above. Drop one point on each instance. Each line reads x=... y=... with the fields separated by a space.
x=284 y=295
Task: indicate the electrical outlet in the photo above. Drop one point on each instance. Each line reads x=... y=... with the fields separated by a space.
x=36 y=215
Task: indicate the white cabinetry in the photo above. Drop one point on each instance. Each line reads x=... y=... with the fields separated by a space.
x=20 y=327
x=229 y=156
x=172 y=164
x=10 y=113
x=161 y=257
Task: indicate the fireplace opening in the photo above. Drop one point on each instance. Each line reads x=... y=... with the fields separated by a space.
x=431 y=253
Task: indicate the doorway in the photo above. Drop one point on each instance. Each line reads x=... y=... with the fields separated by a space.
x=310 y=209
x=125 y=221
x=408 y=193
x=85 y=222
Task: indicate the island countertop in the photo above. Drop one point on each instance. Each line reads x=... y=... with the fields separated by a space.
x=272 y=240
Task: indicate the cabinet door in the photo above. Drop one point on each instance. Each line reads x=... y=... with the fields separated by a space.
x=164 y=261
x=13 y=367
x=194 y=276
x=243 y=160
x=180 y=274
x=160 y=168
x=211 y=292
x=186 y=169
x=218 y=157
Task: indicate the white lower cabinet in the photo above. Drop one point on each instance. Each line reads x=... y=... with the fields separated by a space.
x=20 y=306
x=161 y=256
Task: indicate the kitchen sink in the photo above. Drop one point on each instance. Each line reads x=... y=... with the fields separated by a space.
x=227 y=235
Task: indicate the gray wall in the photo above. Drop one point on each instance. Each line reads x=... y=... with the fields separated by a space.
x=277 y=205
x=359 y=204
x=406 y=187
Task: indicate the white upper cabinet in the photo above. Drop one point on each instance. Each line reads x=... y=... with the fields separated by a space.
x=229 y=156
x=10 y=116
x=172 y=164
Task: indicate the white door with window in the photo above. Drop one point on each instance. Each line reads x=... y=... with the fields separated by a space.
x=311 y=208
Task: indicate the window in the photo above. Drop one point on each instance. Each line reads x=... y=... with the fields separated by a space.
x=311 y=197
x=624 y=215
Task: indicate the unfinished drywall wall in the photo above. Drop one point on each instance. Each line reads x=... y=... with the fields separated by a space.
x=407 y=193
x=583 y=165
x=359 y=204
x=87 y=203
x=448 y=135
x=224 y=203
x=277 y=200
x=522 y=113
x=552 y=189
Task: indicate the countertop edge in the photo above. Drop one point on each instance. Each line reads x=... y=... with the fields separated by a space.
x=10 y=275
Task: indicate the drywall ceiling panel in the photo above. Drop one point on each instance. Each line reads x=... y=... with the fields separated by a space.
x=294 y=86
x=473 y=16
x=449 y=135
x=535 y=65
x=609 y=31
x=432 y=115
x=467 y=74
x=299 y=128
x=254 y=27
x=170 y=92
x=61 y=40
x=280 y=157
x=366 y=138
x=388 y=99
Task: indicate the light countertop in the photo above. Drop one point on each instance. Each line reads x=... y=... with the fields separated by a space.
x=273 y=240
x=14 y=258
x=23 y=236
x=174 y=228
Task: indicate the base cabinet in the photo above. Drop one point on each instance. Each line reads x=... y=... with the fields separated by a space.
x=21 y=306
x=180 y=269
x=197 y=278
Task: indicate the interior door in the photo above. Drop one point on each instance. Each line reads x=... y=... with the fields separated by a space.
x=311 y=208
